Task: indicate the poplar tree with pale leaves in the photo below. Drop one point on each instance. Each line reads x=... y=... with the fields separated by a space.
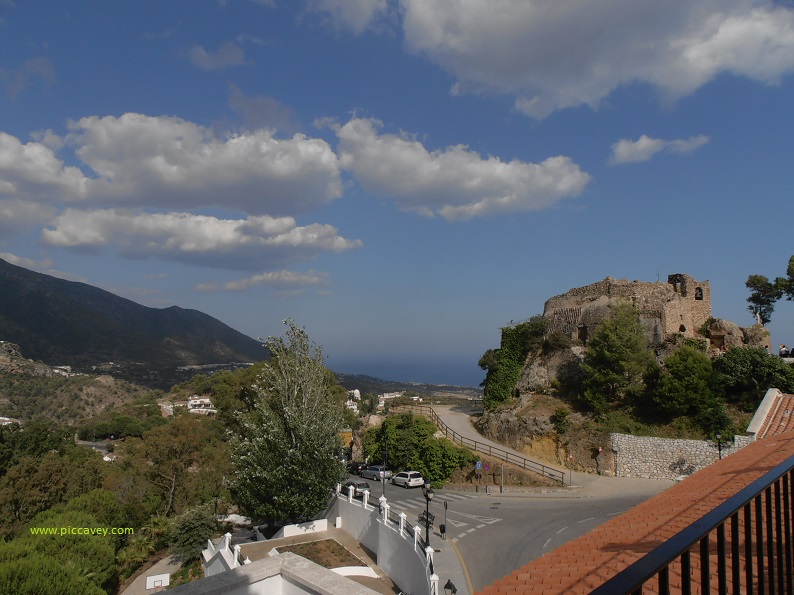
x=286 y=449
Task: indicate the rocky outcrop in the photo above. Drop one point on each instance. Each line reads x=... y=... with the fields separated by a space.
x=543 y=371
x=517 y=432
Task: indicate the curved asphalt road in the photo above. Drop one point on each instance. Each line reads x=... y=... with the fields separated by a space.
x=532 y=524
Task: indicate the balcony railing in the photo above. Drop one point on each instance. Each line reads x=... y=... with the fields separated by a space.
x=745 y=545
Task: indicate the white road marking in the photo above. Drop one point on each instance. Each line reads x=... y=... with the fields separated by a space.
x=547 y=543
x=561 y=530
x=585 y=520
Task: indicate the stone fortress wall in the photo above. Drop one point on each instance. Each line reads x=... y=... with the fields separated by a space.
x=679 y=307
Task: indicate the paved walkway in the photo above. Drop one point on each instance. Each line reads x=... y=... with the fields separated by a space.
x=166 y=565
x=585 y=485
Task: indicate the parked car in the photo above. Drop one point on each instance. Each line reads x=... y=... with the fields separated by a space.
x=358 y=488
x=355 y=467
x=408 y=479
x=373 y=472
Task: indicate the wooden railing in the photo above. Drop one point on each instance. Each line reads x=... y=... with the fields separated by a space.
x=481 y=447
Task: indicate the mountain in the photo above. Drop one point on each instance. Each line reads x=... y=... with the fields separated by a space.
x=63 y=322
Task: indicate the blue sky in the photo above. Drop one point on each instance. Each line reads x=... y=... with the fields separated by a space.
x=401 y=177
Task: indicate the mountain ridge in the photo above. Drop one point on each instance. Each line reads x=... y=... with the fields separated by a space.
x=70 y=323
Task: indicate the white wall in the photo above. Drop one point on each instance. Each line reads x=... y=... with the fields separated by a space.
x=395 y=553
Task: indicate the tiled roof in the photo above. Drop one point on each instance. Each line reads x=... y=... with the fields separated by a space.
x=780 y=418
x=587 y=562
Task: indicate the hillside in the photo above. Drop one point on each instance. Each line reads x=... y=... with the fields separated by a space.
x=31 y=390
x=68 y=323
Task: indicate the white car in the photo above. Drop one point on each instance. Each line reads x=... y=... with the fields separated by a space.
x=408 y=479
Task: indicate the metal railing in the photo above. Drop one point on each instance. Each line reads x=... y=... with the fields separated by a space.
x=481 y=447
x=754 y=551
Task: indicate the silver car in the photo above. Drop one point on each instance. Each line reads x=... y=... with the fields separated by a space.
x=408 y=479
x=374 y=472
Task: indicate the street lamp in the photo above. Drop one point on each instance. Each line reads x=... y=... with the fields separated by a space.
x=428 y=493
x=719 y=443
x=385 y=454
x=449 y=588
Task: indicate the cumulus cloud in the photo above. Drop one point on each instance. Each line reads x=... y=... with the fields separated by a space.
x=144 y=160
x=170 y=163
x=456 y=182
x=352 y=15
x=32 y=171
x=227 y=54
x=550 y=56
x=15 y=81
x=645 y=147
x=259 y=242
x=283 y=280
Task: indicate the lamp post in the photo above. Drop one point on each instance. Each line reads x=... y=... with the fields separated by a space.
x=449 y=588
x=385 y=454
x=428 y=493
x=719 y=443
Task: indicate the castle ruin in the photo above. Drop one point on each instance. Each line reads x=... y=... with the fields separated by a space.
x=682 y=306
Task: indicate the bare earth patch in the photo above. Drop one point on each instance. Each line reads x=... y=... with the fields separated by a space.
x=328 y=553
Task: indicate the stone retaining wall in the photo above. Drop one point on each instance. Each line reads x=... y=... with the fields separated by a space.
x=666 y=458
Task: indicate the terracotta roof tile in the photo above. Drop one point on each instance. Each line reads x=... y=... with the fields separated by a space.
x=580 y=565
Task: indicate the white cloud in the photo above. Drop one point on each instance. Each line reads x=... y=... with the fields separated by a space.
x=282 y=279
x=227 y=54
x=645 y=147
x=158 y=161
x=170 y=163
x=456 y=183
x=31 y=171
x=243 y=244
x=353 y=15
x=553 y=55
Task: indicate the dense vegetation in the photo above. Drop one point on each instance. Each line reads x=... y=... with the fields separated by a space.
x=171 y=475
x=622 y=385
x=410 y=443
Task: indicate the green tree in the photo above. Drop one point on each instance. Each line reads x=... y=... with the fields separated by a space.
x=93 y=556
x=617 y=361
x=286 y=450
x=36 y=573
x=412 y=445
x=744 y=374
x=763 y=296
x=169 y=455
x=765 y=293
x=190 y=533
x=685 y=383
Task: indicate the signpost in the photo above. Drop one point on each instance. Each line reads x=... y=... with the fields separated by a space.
x=479 y=467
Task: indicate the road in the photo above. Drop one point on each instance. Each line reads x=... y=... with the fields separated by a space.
x=497 y=533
